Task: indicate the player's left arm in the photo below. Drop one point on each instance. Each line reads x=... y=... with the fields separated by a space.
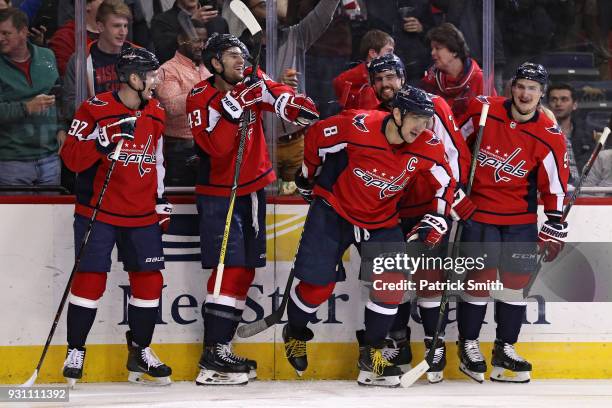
x=553 y=174
x=162 y=207
x=282 y=100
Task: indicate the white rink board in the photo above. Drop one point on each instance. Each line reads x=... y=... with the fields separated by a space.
x=36 y=248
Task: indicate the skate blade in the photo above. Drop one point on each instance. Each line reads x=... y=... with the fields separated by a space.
x=71 y=382
x=435 y=377
x=139 y=378
x=366 y=378
x=499 y=374
x=413 y=375
x=211 y=377
x=478 y=377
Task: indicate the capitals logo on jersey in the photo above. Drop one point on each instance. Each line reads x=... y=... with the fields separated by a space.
x=94 y=101
x=137 y=154
x=388 y=186
x=502 y=163
x=359 y=122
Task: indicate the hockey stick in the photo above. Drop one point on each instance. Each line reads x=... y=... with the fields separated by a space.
x=242 y=12
x=414 y=374
x=77 y=260
x=585 y=172
x=253 y=328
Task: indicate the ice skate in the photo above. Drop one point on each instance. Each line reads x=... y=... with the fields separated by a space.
x=295 y=347
x=251 y=364
x=73 y=365
x=435 y=374
x=398 y=352
x=375 y=369
x=472 y=362
x=142 y=360
x=508 y=366
x=218 y=366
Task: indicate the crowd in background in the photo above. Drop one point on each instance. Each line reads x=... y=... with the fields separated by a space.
x=323 y=48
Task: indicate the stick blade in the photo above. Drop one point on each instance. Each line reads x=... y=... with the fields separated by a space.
x=413 y=375
x=244 y=14
x=31 y=380
x=251 y=329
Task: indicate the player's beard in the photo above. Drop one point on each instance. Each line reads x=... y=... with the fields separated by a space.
x=516 y=106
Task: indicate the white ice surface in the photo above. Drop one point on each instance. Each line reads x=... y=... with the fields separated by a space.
x=337 y=394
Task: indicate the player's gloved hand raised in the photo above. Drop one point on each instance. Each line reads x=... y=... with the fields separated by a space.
x=551 y=238
x=462 y=208
x=297 y=109
x=430 y=231
x=109 y=135
x=304 y=186
x=164 y=211
x=243 y=95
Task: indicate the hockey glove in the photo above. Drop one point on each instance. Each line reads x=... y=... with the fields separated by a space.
x=297 y=109
x=242 y=96
x=163 y=210
x=304 y=186
x=462 y=208
x=552 y=238
x=109 y=135
x=430 y=231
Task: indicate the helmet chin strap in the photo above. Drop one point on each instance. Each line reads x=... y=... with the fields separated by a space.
x=399 y=130
x=140 y=92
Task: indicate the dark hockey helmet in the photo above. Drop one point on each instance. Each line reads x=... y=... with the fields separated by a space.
x=532 y=71
x=415 y=100
x=386 y=62
x=135 y=60
x=216 y=44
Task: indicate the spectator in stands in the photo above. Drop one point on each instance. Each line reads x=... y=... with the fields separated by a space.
x=29 y=129
x=466 y=15
x=62 y=42
x=352 y=87
x=294 y=41
x=407 y=21
x=165 y=26
x=112 y=20
x=180 y=74
x=562 y=101
x=327 y=57
x=454 y=75
x=601 y=172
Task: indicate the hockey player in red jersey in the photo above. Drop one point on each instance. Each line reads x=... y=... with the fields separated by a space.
x=356 y=166
x=386 y=77
x=522 y=153
x=132 y=215
x=214 y=109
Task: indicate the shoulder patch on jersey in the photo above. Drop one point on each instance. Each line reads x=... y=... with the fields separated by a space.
x=483 y=99
x=434 y=141
x=555 y=130
x=359 y=122
x=198 y=90
x=94 y=101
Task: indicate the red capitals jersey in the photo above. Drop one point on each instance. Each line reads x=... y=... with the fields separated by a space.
x=353 y=89
x=421 y=195
x=217 y=138
x=361 y=175
x=515 y=161
x=138 y=176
